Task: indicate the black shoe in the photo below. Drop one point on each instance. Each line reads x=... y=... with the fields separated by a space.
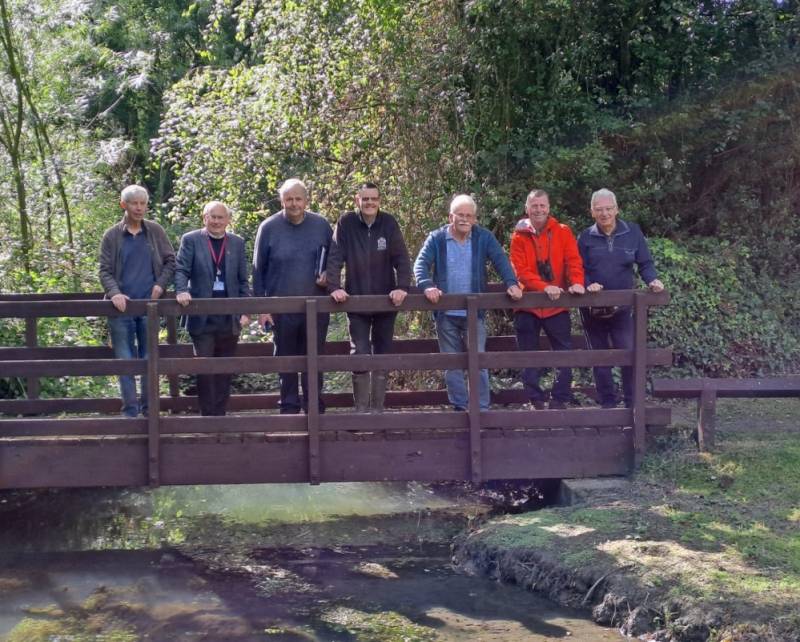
x=557 y=404
x=609 y=404
x=537 y=404
x=459 y=409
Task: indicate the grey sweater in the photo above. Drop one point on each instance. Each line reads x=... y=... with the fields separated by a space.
x=285 y=255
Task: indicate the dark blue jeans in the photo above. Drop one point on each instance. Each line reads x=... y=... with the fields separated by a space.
x=557 y=328
x=451 y=331
x=289 y=336
x=604 y=334
x=129 y=341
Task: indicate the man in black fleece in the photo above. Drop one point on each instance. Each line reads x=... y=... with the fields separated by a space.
x=285 y=263
x=369 y=243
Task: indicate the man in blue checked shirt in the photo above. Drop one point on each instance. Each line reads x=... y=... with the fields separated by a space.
x=453 y=261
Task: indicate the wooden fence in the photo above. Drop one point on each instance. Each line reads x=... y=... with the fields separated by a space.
x=250 y=446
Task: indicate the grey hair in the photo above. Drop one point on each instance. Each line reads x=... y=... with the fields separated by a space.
x=290 y=184
x=463 y=199
x=537 y=193
x=601 y=193
x=212 y=204
x=132 y=191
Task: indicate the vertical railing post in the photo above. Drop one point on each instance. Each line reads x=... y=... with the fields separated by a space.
x=32 y=384
x=312 y=391
x=639 y=375
x=153 y=398
x=172 y=339
x=474 y=378
x=706 y=413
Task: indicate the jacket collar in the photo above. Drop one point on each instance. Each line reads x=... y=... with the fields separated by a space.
x=622 y=228
x=524 y=226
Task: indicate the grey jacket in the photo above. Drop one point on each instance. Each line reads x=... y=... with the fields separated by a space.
x=111 y=256
x=195 y=273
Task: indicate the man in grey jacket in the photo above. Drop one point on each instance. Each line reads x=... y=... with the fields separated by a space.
x=212 y=264
x=136 y=262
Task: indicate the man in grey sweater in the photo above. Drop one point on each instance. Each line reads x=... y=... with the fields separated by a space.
x=286 y=262
x=136 y=262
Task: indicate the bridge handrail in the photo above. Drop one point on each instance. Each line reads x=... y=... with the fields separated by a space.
x=639 y=300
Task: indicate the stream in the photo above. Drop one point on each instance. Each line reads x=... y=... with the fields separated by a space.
x=350 y=562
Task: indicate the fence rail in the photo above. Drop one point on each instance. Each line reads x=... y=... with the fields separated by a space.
x=582 y=430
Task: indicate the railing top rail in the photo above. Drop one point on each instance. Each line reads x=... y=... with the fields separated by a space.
x=71 y=307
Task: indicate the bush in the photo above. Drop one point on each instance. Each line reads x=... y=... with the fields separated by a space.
x=724 y=320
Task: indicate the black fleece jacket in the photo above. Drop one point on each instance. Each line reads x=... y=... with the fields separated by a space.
x=375 y=256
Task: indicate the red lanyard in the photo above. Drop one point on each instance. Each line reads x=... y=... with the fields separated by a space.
x=217 y=259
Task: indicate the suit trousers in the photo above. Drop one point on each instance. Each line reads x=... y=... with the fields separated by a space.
x=214 y=390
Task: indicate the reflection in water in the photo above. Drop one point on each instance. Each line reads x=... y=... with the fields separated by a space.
x=237 y=563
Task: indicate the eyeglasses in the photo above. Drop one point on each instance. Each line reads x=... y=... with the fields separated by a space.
x=604 y=210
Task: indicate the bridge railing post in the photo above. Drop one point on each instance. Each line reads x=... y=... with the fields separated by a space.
x=32 y=384
x=172 y=339
x=153 y=398
x=474 y=377
x=639 y=376
x=312 y=391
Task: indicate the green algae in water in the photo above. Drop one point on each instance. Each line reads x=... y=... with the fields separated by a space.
x=35 y=630
x=386 y=626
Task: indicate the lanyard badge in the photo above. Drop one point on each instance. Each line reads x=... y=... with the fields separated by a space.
x=219 y=286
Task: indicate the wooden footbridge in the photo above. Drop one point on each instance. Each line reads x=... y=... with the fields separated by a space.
x=81 y=442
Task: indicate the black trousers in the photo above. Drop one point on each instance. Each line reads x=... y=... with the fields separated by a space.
x=214 y=390
x=371 y=333
x=557 y=328
x=290 y=339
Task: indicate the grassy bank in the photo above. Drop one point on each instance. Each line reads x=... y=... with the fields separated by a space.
x=696 y=546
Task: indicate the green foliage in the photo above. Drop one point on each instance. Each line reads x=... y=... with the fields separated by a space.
x=723 y=319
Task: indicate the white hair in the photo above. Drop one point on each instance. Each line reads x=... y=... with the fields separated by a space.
x=463 y=199
x=603 y=192
x=212 y=204
x=290 y=184
x=132 y=191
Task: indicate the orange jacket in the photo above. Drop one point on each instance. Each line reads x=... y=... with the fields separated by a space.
x=555 y=242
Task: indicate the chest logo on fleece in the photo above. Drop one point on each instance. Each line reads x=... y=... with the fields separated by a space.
x=381 y=244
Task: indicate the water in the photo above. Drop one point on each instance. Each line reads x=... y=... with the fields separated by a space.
x=355 y=562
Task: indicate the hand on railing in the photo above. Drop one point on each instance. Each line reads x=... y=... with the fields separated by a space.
x=397 y=297
x=576 y=288
x=433 y=294
x=120 y=301
x=655 y=286
x=515 y=292
x=183 y=298
x=340 y=296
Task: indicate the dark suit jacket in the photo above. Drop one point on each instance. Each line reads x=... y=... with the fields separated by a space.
x=194 y=273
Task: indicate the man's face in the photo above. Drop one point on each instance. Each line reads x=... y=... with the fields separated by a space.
x=368 y=201
x=604 y=212
x=216 y=220
x=135 y=208
x=538 y=209
x=294 y=202
x=462 y=219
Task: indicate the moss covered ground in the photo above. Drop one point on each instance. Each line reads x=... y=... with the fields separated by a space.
x=706 y=544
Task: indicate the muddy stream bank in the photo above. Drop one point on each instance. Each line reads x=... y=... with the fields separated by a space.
x=360 y=562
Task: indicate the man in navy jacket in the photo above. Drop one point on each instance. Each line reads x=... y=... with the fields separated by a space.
x=610 y=248
x=453 y=261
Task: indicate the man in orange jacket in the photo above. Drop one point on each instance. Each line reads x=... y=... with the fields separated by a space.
x=545 y=256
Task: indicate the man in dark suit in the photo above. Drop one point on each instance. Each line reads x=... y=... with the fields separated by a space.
x=211 y=263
